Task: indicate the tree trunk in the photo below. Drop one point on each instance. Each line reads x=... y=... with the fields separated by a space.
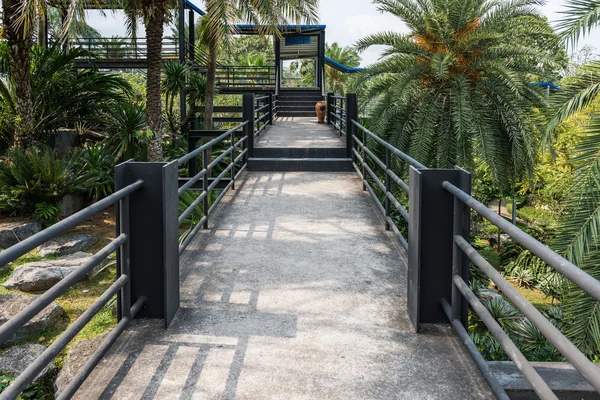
x=211 y=77
x=19 y=43
x=154 y=33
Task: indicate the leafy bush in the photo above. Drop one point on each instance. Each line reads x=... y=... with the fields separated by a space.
x=47 y=214
x=97 y=165
x=128 y=134
x=30 y=177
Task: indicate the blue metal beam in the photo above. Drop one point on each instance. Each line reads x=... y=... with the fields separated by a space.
x=340 y=67
x=194 y=7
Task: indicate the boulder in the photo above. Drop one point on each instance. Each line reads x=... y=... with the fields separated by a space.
x=66 y=245
x=42 y=275
x=77 y=356
x=15 y=360
x=11 y=304
x=13 y=233
x=70 y=204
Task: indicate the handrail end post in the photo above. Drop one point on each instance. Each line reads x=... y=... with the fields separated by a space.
x=152 y=221
x=431 y=225
x=351 y=115
x=248 y=117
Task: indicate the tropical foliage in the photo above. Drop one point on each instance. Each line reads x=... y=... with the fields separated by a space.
x=457 y=86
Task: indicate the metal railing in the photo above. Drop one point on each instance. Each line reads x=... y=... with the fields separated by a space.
x=118 y=49
x=337 y=113
x=121 y=287
x=263 y=113
x=458 y=296
x=389 y=176
x=207 y=168
x=250 y=78
x=463 y=204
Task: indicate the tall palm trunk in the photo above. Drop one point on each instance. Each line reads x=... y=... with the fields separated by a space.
x=154 y=32
x=19 y=42
x=211 y=77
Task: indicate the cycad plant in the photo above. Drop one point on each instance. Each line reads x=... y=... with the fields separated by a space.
x=458 y=86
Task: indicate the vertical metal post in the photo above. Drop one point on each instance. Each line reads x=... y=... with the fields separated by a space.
x=351 y=115
x=233 y=160
x=205 y=163
x=125 y=257
x=460 y=263
x=270 y=109
x=248 y=116
x=192 y=143
x=431 y=230
x=329 y=107
x=364 y=157
x=192 y=36
x=388 y=186
x=151 y=255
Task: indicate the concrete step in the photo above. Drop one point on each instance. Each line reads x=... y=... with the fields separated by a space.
x=293 y=103
x=296 y=113
x=296 y=108
x=301 y=164
x=296 y=152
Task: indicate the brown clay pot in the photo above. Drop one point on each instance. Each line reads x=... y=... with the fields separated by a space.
x=321 y=109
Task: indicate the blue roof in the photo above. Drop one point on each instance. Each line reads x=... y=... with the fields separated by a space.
x=194 y=7
x=252 y=26
x=340 y=67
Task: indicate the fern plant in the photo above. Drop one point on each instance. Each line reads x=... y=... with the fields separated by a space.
x=47 y=214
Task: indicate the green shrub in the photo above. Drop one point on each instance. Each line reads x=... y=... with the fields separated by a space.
x=34 y=176
x=98 y=167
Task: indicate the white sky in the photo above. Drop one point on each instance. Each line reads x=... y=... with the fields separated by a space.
x=347 y=21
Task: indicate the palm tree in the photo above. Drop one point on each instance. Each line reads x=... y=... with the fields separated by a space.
x=457 y=86
x=221 y=17
x=336 y=80
x=579 y=233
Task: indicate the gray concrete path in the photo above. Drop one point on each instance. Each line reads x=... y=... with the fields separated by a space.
x=300 y=132
x=296 y=292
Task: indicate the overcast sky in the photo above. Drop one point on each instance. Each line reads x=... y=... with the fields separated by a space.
x=347 y=21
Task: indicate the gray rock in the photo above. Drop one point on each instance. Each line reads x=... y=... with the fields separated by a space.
x=15 y=360
x=78 y=354
x=70 y=204
x=66 y=245
x=11 y=304
x=42 y=275
x=13 y=233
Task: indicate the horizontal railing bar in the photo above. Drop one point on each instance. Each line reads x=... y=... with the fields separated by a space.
x=380 y=163
x=398 y=206
x=219 y=178
x=539 y=386
x=239 y=142
x=409 y=160
x=399 y=235
x=261 y=119
x=261 y=130
x=217 y=160
x=372 y=193
x=191 y=182
x=42 y=301
x=242 y=169
x=261 y=108
x=357 y=155
x=481 y=363
x=205 y=146
x=260 y=98
x=587 y=368
x=398 y=181
x=218 y=199
x=25 y=246
x=41 y=362
x=192 y=207
x=358 y=171
x=560 y=264
x=192 y=234
x=100 y=352
x=242 y=154
x=375 y=177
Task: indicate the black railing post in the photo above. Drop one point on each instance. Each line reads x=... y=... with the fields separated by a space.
x=388 y=186
x=248 y=116
x=233 y=160
x=205 y=163
x=431 y=242
x=270 y=101
x=152 y=237
x=329 y=107
x=351 y=115
x=364 y=157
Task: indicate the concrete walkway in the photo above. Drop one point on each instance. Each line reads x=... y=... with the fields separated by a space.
x=296 y=292
x=303 y=132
